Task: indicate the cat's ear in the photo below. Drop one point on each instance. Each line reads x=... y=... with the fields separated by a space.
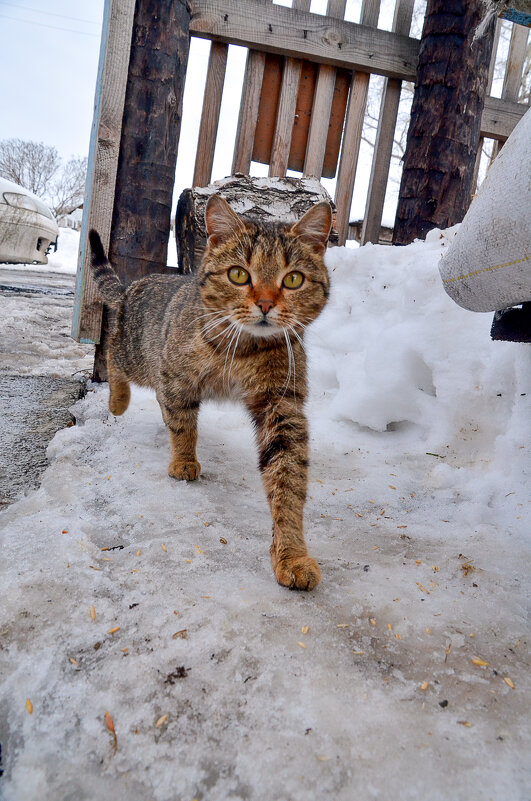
x=314 y=227
x=221 y=221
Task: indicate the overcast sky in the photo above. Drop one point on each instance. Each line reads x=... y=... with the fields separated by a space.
x=48 y=63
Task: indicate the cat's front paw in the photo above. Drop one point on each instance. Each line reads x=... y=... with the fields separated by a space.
x=298 y=573
x=184 y=471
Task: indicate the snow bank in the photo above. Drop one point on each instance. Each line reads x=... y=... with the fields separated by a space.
x=393 y=353
x=417 y=514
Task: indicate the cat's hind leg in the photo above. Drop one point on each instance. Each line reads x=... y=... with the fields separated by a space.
x=120 y=392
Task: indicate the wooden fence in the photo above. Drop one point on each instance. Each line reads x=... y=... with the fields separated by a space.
x=303 y=104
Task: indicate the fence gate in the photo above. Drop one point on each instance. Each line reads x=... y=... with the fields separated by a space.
x=302 y=108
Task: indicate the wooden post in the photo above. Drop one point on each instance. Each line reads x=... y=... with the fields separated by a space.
x=103 y=159
x=443 y=136
x=148 y=148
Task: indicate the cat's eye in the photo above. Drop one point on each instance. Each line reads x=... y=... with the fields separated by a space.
x=293 y=280
x=239 y=276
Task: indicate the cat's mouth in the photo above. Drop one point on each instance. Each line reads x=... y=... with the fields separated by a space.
x=263 y=328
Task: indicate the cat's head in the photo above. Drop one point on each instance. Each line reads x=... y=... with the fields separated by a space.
x=267 y=278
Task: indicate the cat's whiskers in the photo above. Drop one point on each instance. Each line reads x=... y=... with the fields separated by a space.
x=209 y=314
x=236 y=333
x=221 y=333
x=295 y=334
x=288 y=379
x=210 y=324
x=234 y=351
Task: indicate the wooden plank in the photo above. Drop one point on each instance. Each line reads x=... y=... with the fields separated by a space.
x=287 y=104
x=290 y=32
x=208 y=128
x=267 y=114
x=337 y=119
x=500 y=116
x=248 y=115
x=515 y=63
x=303 y=115
x=285 y=118
x=513 y=72
x=103 y=159
x=267 y=108
x=383 y=146
x=492 y=65
x=149 y=141
x=352 y=135
x=320 y=121
x=252 y=86
x=322 y=106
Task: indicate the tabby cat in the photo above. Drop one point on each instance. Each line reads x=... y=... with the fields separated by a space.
x=234 y=330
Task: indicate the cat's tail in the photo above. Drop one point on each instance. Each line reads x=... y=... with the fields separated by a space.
x=110 y=287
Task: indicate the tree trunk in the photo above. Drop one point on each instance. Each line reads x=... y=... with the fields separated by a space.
x=264 y=199
x=443 y=136
x=148 y=148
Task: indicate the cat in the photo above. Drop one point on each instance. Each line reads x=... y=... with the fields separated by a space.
x=234 y=330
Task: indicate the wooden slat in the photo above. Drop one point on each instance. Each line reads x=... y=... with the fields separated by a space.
x=103 y=159
x=290 y=32
x=352 y=135
x=303 y=115
x=285 y=117
x=513 y=72
x=322 y=106
x=250 y=100
x=383 y=146
x=500 y=117
x=515 y=63
x=208 y=128
x=286 y=108
x=492 y=65
x=243 y=147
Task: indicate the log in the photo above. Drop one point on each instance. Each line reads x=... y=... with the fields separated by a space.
x=265 y=199
x=151 y=127
x=443 y=136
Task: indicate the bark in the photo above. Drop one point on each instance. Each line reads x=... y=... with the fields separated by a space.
x=443 y=137
x=265 y=199
x=148 y=147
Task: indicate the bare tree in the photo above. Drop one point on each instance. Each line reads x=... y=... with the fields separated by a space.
x=67 y=189
x=30 y=164
x=39 y=168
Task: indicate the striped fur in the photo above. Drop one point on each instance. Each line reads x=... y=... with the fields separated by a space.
x=110 y=287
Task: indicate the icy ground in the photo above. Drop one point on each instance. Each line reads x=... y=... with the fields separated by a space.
x=403 y=676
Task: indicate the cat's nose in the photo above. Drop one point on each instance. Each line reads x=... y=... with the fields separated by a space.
x=265 y=305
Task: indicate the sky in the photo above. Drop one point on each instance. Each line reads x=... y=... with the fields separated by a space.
x=50 y=52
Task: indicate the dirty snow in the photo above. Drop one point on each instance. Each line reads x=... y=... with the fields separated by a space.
x=418 y=515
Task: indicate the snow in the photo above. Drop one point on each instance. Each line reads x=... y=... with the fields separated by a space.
x=417 y=515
